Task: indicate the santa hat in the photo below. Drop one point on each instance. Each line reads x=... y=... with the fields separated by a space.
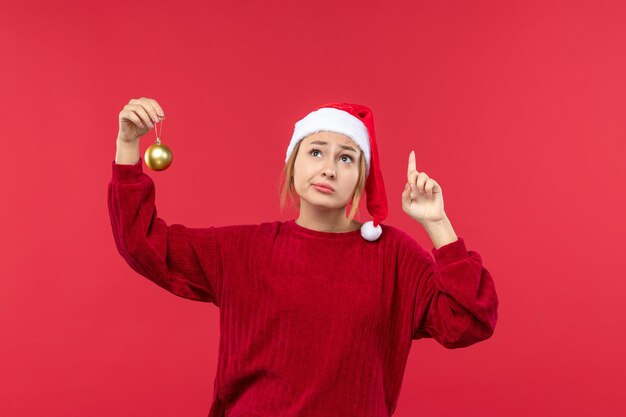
x=357 y=122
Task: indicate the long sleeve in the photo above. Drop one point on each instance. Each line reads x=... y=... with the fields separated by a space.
x=455 y=298
x=181 y=260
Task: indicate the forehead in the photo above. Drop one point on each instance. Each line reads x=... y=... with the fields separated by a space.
x=330 y=137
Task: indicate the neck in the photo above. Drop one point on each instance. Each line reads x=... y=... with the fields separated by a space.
x=325 y=219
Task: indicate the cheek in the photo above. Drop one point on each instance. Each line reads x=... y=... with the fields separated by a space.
x=354 y=176
x=298 y=180
x=302 y=172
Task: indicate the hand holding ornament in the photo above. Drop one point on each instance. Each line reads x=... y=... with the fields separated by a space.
x=137 y=118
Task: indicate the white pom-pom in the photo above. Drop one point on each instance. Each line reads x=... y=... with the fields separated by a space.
x=369 y=232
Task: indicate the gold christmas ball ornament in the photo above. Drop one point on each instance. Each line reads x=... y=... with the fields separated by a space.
x=158 y=156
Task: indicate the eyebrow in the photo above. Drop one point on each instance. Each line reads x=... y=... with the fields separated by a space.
x=321 y=142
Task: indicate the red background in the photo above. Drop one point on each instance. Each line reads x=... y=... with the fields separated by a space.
x=515 y=108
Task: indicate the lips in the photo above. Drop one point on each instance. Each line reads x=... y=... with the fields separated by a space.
x=319 y=184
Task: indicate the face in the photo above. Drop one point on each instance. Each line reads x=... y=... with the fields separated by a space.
x=327 y=158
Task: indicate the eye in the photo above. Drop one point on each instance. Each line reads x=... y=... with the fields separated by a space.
x=314 y=150
x=343 y=156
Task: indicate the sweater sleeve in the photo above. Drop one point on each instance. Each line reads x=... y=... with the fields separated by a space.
x=455 y=300
x=181 y=260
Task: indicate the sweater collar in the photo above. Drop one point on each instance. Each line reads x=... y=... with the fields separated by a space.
x=296 y=228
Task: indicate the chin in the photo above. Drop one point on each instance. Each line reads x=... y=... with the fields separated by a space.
x=324 y=203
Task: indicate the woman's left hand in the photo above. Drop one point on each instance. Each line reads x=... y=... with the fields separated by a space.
x=422 y=198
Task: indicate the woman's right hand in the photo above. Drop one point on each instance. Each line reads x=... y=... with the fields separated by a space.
x=137 y=118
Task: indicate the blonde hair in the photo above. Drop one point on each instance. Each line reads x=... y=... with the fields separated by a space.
x=289 y=192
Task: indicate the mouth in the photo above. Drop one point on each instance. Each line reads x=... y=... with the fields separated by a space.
x=324 y=188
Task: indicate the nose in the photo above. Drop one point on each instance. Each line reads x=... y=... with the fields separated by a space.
x=329 y=168
x=329 y=171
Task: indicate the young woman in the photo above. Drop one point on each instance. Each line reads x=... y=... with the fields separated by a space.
x=318 y=313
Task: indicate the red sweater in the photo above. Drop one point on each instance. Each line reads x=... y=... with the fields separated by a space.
x=312 y=324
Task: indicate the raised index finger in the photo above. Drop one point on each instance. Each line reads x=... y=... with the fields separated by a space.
x=411 y=165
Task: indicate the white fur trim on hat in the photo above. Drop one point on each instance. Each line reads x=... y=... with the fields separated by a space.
x=334 y=120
